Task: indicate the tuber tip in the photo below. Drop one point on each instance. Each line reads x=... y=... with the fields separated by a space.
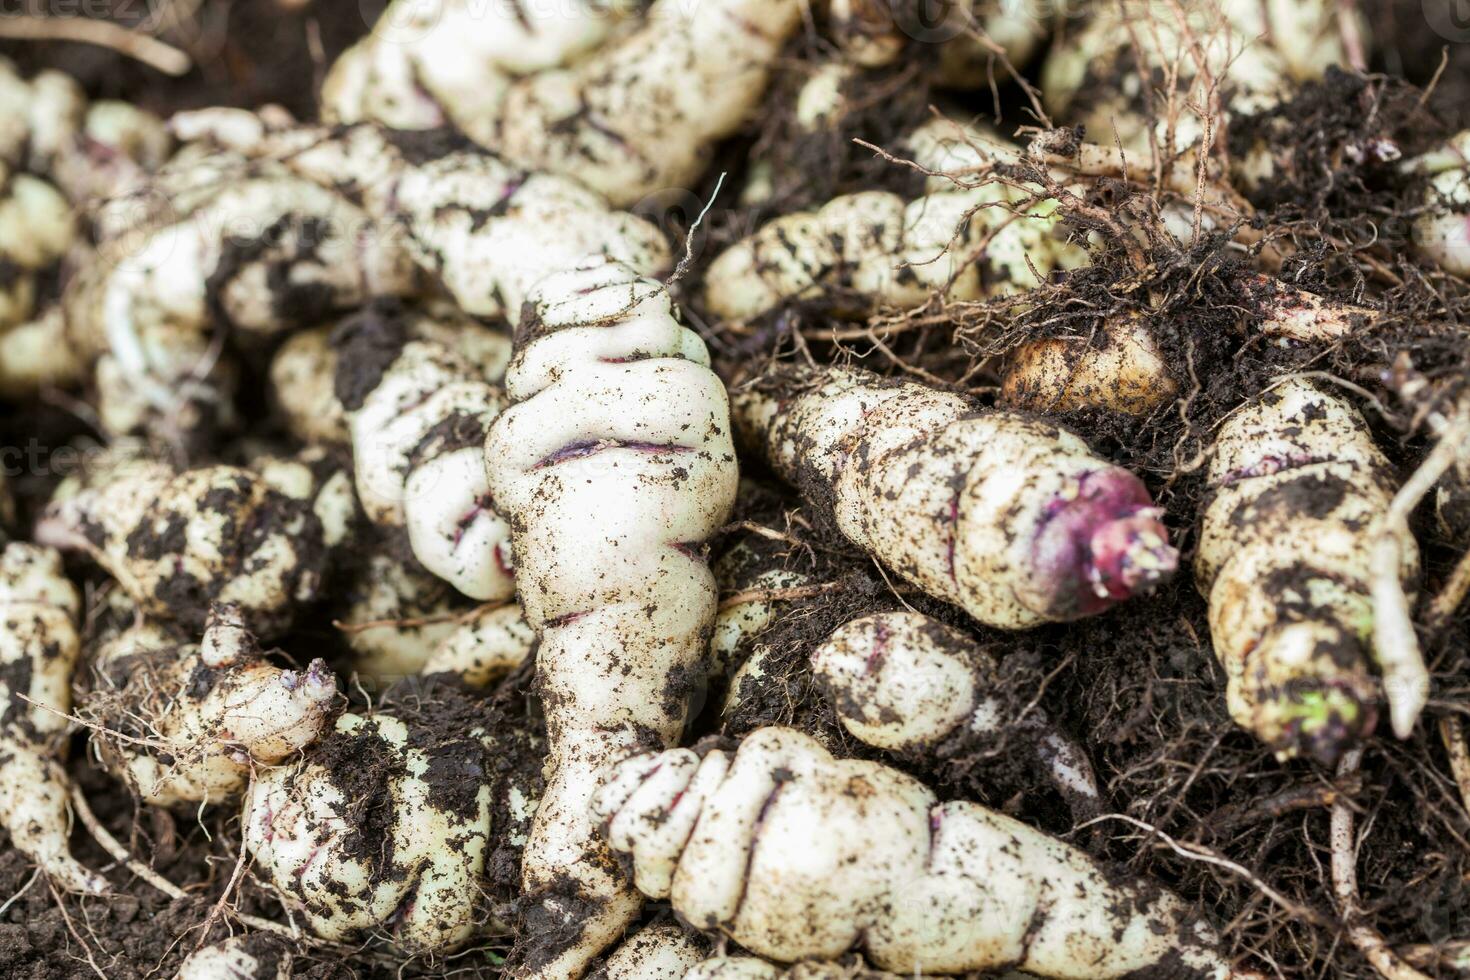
x=1131 y=555
x=1101 y=541
x=1323 y=721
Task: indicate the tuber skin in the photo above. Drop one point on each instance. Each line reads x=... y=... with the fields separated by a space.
x=1442 y=233
x=1284 y=556
x=614 y=464
x=247 y=247
x=452 y=63
x=487 y=230
x=796 y=855
x=419 y=395
x=199 y=719
x=1123 y=370
x=663 y=951
x=869 y=250
x=38 y=651
x=382 y=830
x=636 y=116
x=303 y=375
x=642 y=114
x=1011 y=519
x=906 y=683
x=179 y=542
x=257 y=956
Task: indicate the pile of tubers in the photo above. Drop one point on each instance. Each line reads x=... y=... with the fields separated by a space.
x=525 y=578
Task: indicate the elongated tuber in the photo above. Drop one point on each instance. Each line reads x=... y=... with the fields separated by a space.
x=614 y=464
x=1013 y=520
x=1284 y=556
x=797 y=855
x=872 y=249
x=187 y=723
x=906 y=683
x=38 y=651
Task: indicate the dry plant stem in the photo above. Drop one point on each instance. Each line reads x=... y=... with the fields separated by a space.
x=776 y=595
x=113 y=846
x=1405 y=678
x=105 y=34
x=1345 y=887
x=1452 y=733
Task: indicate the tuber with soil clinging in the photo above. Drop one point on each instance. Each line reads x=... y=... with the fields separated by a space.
x=1014 y=520
x=1284 y=559
x=797 y=855
x=614 y=464
x=38 y=651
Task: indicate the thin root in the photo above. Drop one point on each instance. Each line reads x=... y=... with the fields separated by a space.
x=1345 y=887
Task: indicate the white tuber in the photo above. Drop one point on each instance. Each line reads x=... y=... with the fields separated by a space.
x=382 y=830
x=1442 y=234
x=186 y=723
x=797 y=855
x=1284 y=558
x=424 y=66
x=614 y=464
x=1012 y=519
x=256 y=956
x=872 y=249
x=38 y=651
x=906 y=683
x=419 y=394
x=249 y=248
x=642 y=114
x=179 y=542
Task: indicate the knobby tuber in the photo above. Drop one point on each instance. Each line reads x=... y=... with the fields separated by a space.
x=38 y=651
x=177 y=542
x=451 y=63
x=186 y=723
x=255 y=956
x=872 y=249
x=243 y=245
x=1012 y=519
x=1284 y=559
x=907 y=683
x=419 y=394
x=797 y=855
x=614 y=464
x=1123 y=369
x=632 y=118
x=383 y=830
